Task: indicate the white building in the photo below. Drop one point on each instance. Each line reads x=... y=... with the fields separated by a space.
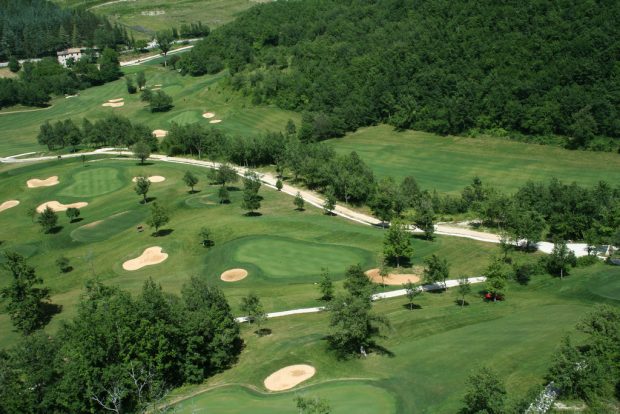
x=74 y=53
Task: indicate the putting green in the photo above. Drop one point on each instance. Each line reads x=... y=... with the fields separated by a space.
x=280 y=257
x=187 y=117
x=109 y=227
x=342 y=396
x=93 y=182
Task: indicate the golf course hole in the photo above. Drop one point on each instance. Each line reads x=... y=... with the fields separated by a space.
x=150 y=256
x=93 y=182
x=392 y=278
x=160 y=133
x=208 y=115
x=8 y=204
x=152 y=178
x=234 y=275
x=48 y=182
x=58 y=206
x=288 y=377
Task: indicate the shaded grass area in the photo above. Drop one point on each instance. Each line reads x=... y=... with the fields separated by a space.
x=284 y=249
x=433 y=349
x=191 y=98
x=449 y=163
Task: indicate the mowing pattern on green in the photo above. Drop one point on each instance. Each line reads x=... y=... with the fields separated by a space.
x=289 y=258
x=93 y=182
x=109 y=227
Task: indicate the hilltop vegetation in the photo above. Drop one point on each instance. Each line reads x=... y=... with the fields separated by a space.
x=451 y=66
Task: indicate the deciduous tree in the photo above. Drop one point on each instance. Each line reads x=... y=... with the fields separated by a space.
x=159 y=217
x=142 y=187
x=190 y=180
x=486 y=393
x=397 y=244
x=141 y=150
x=48 y=219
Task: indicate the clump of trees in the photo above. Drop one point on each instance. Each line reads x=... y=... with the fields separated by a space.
x=122 y=352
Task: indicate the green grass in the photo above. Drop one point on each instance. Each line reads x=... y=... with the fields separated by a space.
x=213 y=13
x=93 y=182
x=109 y=227
x=192 y=97
x=449 y=163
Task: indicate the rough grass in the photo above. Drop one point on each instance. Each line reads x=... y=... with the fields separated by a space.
x=449 y=163
x=191 y=97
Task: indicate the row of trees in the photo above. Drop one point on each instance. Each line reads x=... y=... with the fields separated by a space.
x=36 y=28
x=121 y=352
x=37 y=81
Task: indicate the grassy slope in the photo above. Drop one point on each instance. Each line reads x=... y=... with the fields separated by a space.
x=281 y=239
x=213 y=13
x=450 y=163
x=433 y=349
x=192 y=97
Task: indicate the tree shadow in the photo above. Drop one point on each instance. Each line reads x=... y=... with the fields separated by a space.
x=77 y=220
x=300 y=209
x=421 y=236
x=413 y=306
x=48 y=310
x=224 y=201
x=144 y=164
x=163 y=232
x=263 y=332
x=329 y=213
x=233 y=188
x=380 y=350
x=253 y=214
x=461 y=302
x=67 y=269
x=193 y=191
x=148 y=200
x=55 y=230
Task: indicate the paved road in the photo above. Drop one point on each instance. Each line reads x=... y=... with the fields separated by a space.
x=444 y=229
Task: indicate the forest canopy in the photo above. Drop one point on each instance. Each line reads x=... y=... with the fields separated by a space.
x=35 y=28
x=535 y=67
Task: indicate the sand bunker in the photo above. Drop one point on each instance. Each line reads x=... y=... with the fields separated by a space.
x=152 y=178
x=35 y=182
x=160 y=133
x=116 y=100
x=114 y=104
x=158 y=85
x=208 y=115
x=56 y=206
x=215 y=121
x=150 y=256
x=8 y=204
x=392 y=278
x=234 y=275
x=286 y=378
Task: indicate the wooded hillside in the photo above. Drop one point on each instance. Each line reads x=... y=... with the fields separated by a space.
x=534 y=67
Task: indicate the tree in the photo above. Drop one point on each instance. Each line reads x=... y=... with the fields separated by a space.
x=330 y=201
x=190 y=180
x=109 y=66
x=223 y=195
x=424 y=218
x=164 y=43
x=63 y=264
x=14 y=65
x=412 y=291
x=291 y=129
x=299 y=201
x=352 y=324
x=464 y=288
x=560 y=260
x=73 y=213
x=141 y=80
x=25 y=302
x=382 y=201
x=205 y=236
x=527 y=226
x=496 y=275
x=397 y=244
x=48 y=219
x=312 y=405
x=279 y=185
x=159 y=217
x=251 y=199
x=131 y=87
x=253 y=309
x=326 y=286
x=437 y=271
x=357 y=283
x=141 y=150
x=225 y=174
x=142 y=187
x=159 y=101
x=485 y=394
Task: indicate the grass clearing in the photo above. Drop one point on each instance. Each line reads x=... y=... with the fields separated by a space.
x=449 y=163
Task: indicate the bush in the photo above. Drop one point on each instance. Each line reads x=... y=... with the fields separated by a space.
x=586 y=261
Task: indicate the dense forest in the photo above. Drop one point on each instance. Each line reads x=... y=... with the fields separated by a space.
x=35 y=28
x=538 y=68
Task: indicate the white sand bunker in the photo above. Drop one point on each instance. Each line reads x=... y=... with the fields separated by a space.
x=114 y=104
x=150 y=256
x=152 y=178
x=116 y=100
x=57 y=206
x=288 y=377
x=160 y=133
x=392 y=278
x=234 y=275
x=215 y=121
x=8 y=204
x=159 y=85
x=48 y=182
x=208 y=115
